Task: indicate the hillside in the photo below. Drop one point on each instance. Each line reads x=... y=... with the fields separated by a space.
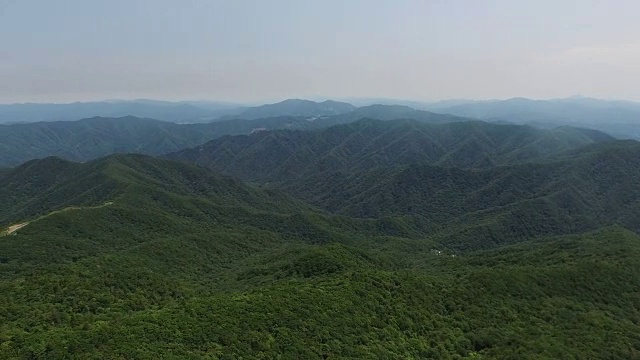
x=276 y=156
x=465 y=185
x=50 y=184
x=95 y=137
x=294 y=107
x=618 y=118
x=89 y=139
x=92 y=138
x=386 y=112
x=177 y=112
x=150 y=258
x=161 y=110
x=462 y=208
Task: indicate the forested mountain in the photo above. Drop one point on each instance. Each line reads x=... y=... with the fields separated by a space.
x=161 y=110
x=178 y=112
x=294 y=107
x=618 y=118
x=91 y=138
x=482 y=208
x=4 y=170
x=135 y=257
x=370 y=239
x=95 y=137
x=386 y=112
x=40 y=186
x=367 y=144
x=471 y=184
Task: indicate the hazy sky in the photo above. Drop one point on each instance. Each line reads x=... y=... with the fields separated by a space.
x=264 y=50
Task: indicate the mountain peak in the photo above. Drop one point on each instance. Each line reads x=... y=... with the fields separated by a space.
x=295 y=107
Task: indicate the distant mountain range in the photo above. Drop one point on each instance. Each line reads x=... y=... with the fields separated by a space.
x=91 y=138
x=618 y=118
x=95 y=137
x=160 y=110
x=178 y=112
x=294 y=107
x=99 y=136
x=368 y=144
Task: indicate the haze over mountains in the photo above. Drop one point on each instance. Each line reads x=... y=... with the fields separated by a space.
x=618 y=118
x=367 y=144
x=98 y=136
x=298 y=192
x=160 y=110
x=179 y=112
x=320 y=230
x=88 y=139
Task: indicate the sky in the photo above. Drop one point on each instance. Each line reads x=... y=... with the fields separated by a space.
x=252 y=51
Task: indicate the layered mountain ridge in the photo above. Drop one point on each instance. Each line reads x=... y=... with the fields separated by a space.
x=369 y=239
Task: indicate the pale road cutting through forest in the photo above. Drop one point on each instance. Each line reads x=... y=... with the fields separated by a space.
x=13 y=228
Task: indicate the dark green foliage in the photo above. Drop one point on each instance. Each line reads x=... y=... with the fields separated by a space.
x=92 y=138
x=444 y=177
x=479 y=208
x=161 y=110
x=41 y=186
x=4 y=170
x=441 y=257
x=88 y=139
x=226 y=296
x=276 y=156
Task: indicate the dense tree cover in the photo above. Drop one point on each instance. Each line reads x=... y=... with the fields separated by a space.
x=4 y=170
x=277 y=156
x=41 y=186
x=89 y=139
x=131 y=256
x=149 y=287
x=95 y=137
x=576 y=192
x=442 y=179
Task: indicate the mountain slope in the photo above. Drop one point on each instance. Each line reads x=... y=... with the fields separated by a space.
x=4 y=170
x=294 y=107
x=367 y=144
x=161 y=110
x=50 y=184
x=91 y=138
x=484 y=208
x=96 y=137
x=88 y=139
x=188 y=264
x=130 y=256
x=107 y=282
x=386 y=112
x=465 y=185
x=618 y=118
